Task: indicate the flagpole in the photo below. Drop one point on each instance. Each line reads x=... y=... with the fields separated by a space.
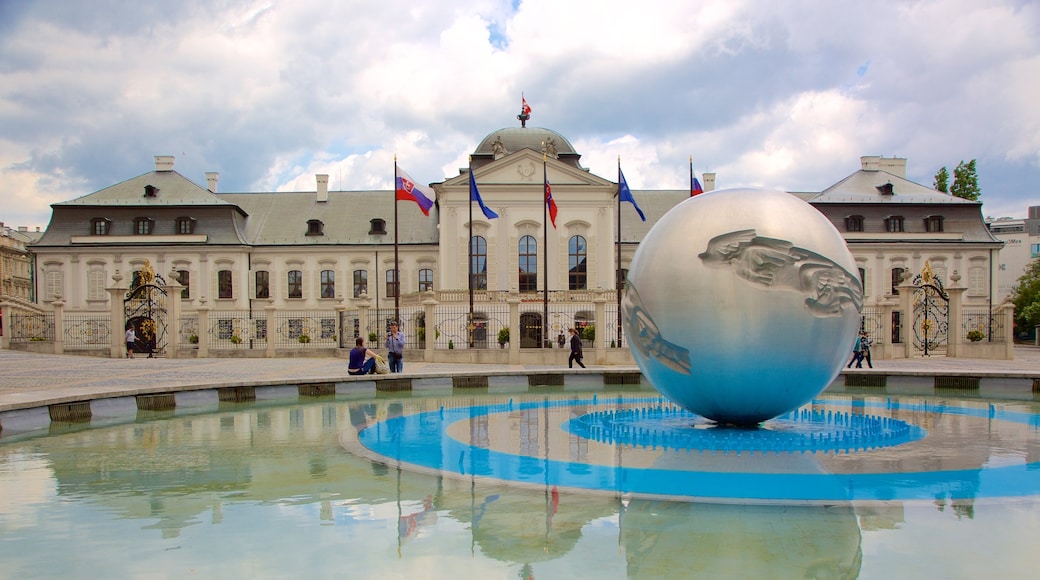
x=545 y=253
x=617 y=272
x=470 y=252
x=691 y=175
x=397 y=272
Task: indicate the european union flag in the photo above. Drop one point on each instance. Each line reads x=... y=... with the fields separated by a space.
x=625 y=194
x=474 y=195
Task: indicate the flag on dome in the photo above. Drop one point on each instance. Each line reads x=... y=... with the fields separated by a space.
x=408 y=190
x=474 y=195
x=524 y=107
x=625 y=194
x=549 y=201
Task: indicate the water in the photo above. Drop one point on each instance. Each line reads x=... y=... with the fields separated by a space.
x=291 y=490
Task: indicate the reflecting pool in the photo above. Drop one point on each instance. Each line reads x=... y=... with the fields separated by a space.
x=591 y=484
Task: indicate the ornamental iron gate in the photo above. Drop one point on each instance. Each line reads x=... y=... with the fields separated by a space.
x=931 y=306
x=145 y=311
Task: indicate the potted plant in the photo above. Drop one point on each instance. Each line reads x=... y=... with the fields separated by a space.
x=303 y=338
x=503 y=337
x=236 y=339
x=589 y=333
x=451 y=344
x=975 y=335
x=373 y=338
x=194 y=339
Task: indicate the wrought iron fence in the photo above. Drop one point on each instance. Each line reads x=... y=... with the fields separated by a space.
x=233 y=329
x=979 y=324
x=188 y=329
x=32 y=327
x=872 y=321
x=453 y=327
x=87 y=331
x=301 y=329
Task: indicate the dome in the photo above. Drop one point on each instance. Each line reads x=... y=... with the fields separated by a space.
x=517 y=138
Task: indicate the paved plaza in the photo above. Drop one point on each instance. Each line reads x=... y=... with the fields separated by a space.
x=29 y=380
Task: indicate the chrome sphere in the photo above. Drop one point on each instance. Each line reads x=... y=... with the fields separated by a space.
x=742 y=304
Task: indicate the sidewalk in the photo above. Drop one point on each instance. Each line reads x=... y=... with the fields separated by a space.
x=30 y=380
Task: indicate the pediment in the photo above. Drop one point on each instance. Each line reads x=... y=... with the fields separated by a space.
x=525 y=167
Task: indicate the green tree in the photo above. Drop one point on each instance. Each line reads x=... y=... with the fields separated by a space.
x=942 y=180
x=965 y=181
x=1026 y=297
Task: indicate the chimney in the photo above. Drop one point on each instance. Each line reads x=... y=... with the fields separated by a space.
x=709 y=182
x=211 y=181
x=164 y=162
x=870 y=162
x=23 y=228
x=323 y=186
x=895 y=165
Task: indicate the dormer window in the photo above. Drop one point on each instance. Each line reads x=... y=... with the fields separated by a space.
x=933 y=223
x=894 y=224
x=854 y=223
x=143 y=226
x=378 y=227
x=185 y=225
x=886 y=189
x=315 y=228
x=100 y=226
x=151 y=191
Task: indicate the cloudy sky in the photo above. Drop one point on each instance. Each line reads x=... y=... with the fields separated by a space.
x=785 y=94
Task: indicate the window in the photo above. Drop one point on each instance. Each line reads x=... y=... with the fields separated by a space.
x=295 y=284
x=225 y=287
x=55 y=283
x=184 y=279
x=100 y=226
x=143 y=226
x=478 y=253
x=528 y=264
x=933 y=223
x=897 y=279
x=96 y=284
x=151 y=191
x=360 y=282
x=854 y=223
x=894 y=223
x=425 y=279
x=1034 y=251
x=576 y=275
x=263 y=284
x=976 y=281
x=391 y=283
x=377 y=227
x=315 y=228
x=185 y=225
x=328 y=284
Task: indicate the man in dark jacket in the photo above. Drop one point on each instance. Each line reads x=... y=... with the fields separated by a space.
x=575 y=350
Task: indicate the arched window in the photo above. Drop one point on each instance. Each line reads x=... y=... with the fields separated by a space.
x=360 y=282
x=528 y=252
x=478 y=253
x=295 y=284
x=328 y=284
x=577 y=251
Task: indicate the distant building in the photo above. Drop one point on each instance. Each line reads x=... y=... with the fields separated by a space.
x=1021 y=239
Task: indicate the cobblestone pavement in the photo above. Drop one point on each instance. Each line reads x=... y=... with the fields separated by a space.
x=27 y=378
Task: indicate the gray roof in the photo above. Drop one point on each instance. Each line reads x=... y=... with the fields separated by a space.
x=281 y=218
x=862 y=187
x=173 y=189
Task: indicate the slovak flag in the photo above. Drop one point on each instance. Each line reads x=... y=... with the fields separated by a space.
x=695 y=187
x=525 y=109
x=550 y=201
x=408 y=190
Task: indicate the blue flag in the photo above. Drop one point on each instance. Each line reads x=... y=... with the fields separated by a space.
x=474 y=195
x=625 y=194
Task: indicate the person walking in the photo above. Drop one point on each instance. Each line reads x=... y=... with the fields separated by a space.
x=864 y=348
x=857 y=353
x=131 y=339
x=576 y=354
x=395 y=349
x=362 y=359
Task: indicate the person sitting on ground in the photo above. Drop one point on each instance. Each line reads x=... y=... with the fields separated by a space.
x=362 y=359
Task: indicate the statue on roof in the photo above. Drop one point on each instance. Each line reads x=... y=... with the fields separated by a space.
x=549 y=148
x=498 y=148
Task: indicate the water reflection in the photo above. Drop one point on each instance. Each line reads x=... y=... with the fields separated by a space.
x=269 y=484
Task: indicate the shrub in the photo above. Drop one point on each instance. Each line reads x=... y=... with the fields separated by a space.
x=451 y=344
x=194 y=339
x=975 y=335
x=304 y=338
x=236 y=339
x=503 y=335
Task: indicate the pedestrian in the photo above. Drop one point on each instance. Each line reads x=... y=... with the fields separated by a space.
x=362 y=359
x=576 y=354
x=864 y=348
x=131 y=339
x=857 y=353
x=560 y=340
x=395 y=348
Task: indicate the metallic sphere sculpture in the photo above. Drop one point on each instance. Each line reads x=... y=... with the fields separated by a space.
x=742 y=304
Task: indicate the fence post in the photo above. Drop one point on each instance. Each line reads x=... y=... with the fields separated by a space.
x=906 y=334
x=1008 y=311
x=203 y=311
x=363 y=306
x=173 y=316
x=59 y=324
x=118 y=324
x=600 y=302
x=5 y=339
x=429 y=311
x=955 y=326
x=269 y=312
x=514 y=327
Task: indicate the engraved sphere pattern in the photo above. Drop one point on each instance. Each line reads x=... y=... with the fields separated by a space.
x=742 y=304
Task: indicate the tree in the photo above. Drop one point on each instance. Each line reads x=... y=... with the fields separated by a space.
x=1026 y=297
x=965 y=181
x=942 y=180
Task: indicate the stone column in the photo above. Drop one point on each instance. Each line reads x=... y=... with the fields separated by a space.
x=8 y=309
x=514 y=327
x=885 y=308
x=173 y=315
x=600 y=302
x=429 y=312
x=1007 y=310
x=906 y=295
x=59 y=324
x=270 y=318
x=203 y=312
x=118 y=324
